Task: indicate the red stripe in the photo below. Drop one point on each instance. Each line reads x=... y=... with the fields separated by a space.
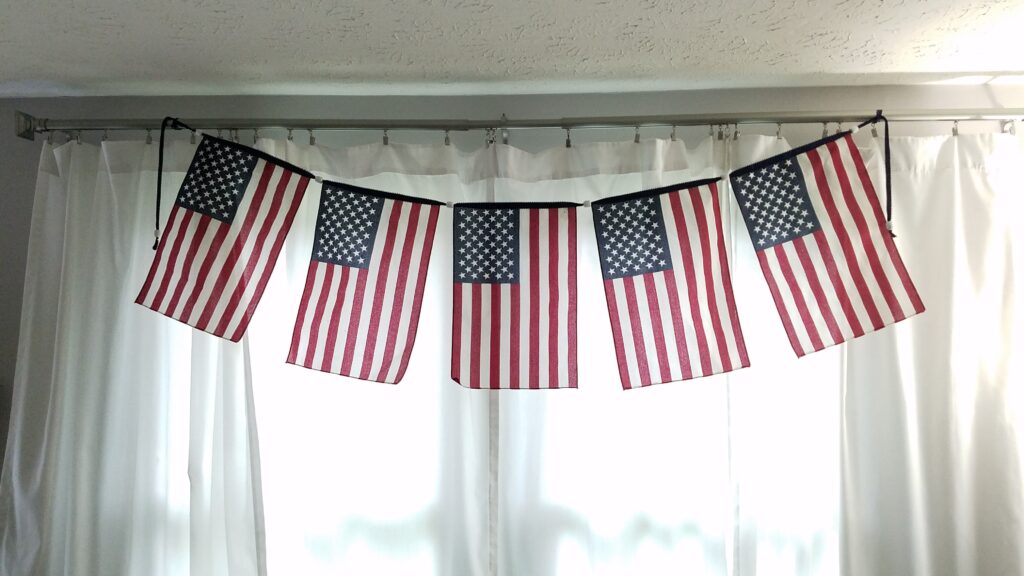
x=553 y=291
x=173 y=227
x=573 y=376
x=456 y=330
x=235 y=300
x=275 y=250
x=659 y=330
x=398 y=299
x=513 y=337
x=837 y=283
x=677 y=323
x=332 y=328
x=204 y=270
x=534 y=235
x=819 y=295
x=620 y=348
x=495 y=363
x=798 y=297
x=421 y=278
x=377 y=302
x=237 y=247
x=353 y=323
x=708 y=267
x=691 y=282
x=318 y=316
x=865 y=235
x=849 y=256
x=475 y=328
x=186 y=265
x=780 y=304
x=303 y=305
x=723 y=269
x=890 y=245
x=172 y=261
x=637 y=330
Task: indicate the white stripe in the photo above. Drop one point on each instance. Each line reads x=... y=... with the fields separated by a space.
x=878 y=235
x=525 y=302
x=266 y=261
x=344 y=320
x=465 y=351
x=804 y=288
x=626 y=332
x=319 y=272
x=545 y=294
x=485 y=335
x=337 y=289
x=563 y=296
x=369 y=291
x=408 y=291
x=682 y=286
x=842 y=266
x=646 y=328
x=390 y=285
x=504 y=352
x=787 y=297
x=667 y=326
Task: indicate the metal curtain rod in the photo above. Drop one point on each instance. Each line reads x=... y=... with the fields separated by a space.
x=27 y=126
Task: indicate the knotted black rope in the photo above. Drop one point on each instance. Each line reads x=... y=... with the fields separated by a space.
x=888 y=167
x=177 y=125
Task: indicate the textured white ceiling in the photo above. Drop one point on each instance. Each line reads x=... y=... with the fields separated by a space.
x=496 y=46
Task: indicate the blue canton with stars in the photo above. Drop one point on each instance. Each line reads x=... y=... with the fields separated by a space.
x=774 y=202
x=486 y=245
x=631 y=237
x=217 y=179
x=346 y=226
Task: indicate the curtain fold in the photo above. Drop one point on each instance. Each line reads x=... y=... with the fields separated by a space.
x=140 y=446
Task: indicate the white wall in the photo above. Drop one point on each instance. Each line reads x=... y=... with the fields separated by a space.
x=18 y=158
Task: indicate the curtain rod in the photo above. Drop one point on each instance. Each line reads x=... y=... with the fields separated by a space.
x=27 y=126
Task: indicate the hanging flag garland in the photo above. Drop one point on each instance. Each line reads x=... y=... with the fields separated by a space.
x=666 y=280
x=226 y=229
x=820 y=236
x=364 y=287
x=514 y=296
x=812 y=214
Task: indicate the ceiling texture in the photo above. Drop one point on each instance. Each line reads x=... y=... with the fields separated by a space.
x=358 y=47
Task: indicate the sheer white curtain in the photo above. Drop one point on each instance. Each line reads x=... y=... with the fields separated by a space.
x=134 y=445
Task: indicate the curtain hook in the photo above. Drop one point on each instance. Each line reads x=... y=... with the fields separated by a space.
x=192 y=138
x=721 y=133
x=312 y=139
x=106 y=135
x=386 y=139
x=220 y=133
x=1011 y=127
x=149 y=136
x=672 y=136
x=956 y=127
x=255 y=135
x=839 y=127
x=736 y=132
x=447 y=137
x=568 y=138
x=711 y=131
x=78 y=137
x=234 y=135
x=290 y=137
x=874 y=130
x=636 y=135
x=824 y=129
x=778 y=131
x=49 y=137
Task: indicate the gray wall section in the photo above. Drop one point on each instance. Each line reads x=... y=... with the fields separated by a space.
x=18 y=158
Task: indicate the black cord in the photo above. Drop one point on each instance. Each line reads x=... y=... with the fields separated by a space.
x=888 y=167
x=177 y=125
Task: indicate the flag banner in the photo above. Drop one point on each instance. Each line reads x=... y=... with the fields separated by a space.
x=514 y=296
x=223 y=236
x=820 y=236
x=667 y=284
x=364 y=287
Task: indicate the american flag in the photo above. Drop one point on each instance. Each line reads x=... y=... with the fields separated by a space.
x=514 y=299
x=364 y=287
x=816 y=223
x=666 y=280
x=223 y=237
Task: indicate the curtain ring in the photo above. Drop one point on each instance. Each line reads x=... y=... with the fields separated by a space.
x=312 y=139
